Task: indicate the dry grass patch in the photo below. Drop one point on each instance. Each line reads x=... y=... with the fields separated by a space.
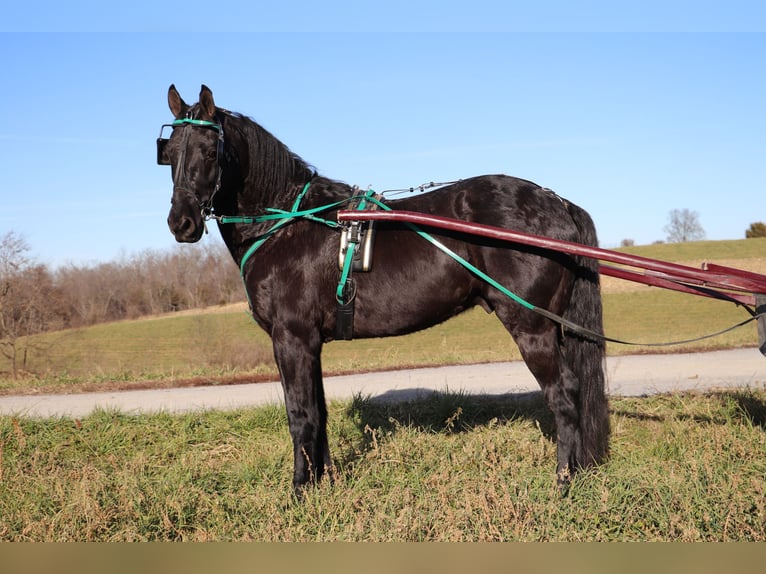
x=447 y=467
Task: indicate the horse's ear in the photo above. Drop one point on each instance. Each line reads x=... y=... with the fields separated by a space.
x=206 y=103
x=177 y=106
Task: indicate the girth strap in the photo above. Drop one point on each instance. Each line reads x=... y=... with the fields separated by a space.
x=346 y=292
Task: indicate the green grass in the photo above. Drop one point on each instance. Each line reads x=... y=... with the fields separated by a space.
x=444 y=468
x=659 y=316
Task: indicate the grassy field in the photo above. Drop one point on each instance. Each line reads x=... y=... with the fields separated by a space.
x=444 y=468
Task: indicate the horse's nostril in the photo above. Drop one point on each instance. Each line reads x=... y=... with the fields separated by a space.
x=186 y=224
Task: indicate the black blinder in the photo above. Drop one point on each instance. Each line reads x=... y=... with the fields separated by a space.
x=161 y=159
x=161 y=143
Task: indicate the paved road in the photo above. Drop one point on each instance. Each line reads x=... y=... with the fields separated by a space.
x=627 y=376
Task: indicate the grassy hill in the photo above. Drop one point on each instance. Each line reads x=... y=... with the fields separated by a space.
x=702 y=250
x=224 y=344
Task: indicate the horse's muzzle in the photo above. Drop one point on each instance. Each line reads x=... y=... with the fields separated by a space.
x=185 y=222
x=185 y=229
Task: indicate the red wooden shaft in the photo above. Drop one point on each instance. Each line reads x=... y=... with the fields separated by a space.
x=744 y=281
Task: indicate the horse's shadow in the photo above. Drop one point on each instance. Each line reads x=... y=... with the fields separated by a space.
x=448 y=412
x=750 y=409
x=441 y=412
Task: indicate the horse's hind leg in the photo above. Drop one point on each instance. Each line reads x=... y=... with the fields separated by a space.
x=298 y=359
x=543 y=355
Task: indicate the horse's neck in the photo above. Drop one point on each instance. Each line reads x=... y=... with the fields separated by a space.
x=255 y=199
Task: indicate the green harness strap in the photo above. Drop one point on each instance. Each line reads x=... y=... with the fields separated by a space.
x=282 y=218
x=255 y=246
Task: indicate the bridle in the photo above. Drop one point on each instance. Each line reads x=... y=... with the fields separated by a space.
x=179 y=181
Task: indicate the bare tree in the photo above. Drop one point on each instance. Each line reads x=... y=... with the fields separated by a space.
x=29 y=301
x=13 y=259
x=684 y=225
x=13 y=254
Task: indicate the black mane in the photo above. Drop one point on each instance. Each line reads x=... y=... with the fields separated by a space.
x=268 y=165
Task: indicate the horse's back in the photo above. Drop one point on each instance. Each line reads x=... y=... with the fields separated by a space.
x=501 y=201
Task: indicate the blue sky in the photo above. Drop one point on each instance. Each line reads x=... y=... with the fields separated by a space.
x=629 y=125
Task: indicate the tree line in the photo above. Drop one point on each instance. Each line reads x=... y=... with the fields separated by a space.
x=35 y=298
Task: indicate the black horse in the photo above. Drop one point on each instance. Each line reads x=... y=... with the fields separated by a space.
x=224 y=164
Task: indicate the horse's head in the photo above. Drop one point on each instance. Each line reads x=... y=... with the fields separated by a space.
x=194 y=152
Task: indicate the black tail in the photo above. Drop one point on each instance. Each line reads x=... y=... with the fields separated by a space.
x=585 y=356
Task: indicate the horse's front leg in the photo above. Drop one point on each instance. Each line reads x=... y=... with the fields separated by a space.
x=300 y=368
